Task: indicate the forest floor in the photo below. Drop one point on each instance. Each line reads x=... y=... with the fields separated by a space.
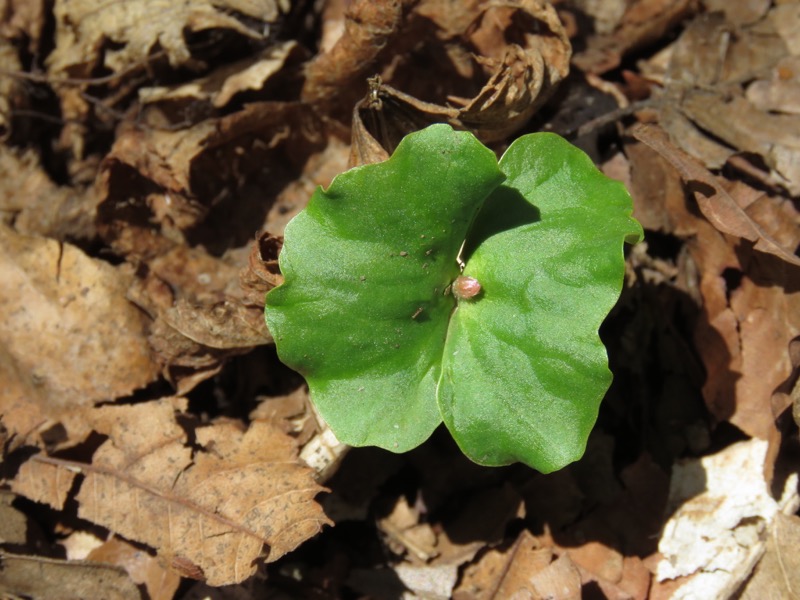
x=155 y=447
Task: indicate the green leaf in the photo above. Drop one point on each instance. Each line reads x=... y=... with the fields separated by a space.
x=524 y=368
x=517 y=372
x=362 y=313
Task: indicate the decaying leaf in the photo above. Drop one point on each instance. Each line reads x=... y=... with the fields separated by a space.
x=368 y=26
x=520 y=78
x=87 y=33
x=208 y=510
x=72 y=361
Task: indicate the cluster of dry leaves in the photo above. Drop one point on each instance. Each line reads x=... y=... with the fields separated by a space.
x=152 y=154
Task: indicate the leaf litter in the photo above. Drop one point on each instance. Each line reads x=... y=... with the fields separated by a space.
x=149 y=434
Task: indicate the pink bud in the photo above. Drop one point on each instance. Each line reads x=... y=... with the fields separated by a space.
x=466 y=287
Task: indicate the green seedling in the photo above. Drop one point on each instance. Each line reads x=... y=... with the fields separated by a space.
x=440 y=285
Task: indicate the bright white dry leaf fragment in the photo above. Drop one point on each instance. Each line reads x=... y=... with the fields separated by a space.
x=722 y=506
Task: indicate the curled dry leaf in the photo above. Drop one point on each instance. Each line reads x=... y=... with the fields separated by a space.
x=72 y=361
x=219 y=87
x=208 y=508
x=368 y=26
x=157 y=185
x=521 y=77
x=201 y=315
x=262 y=272
x=120 y=36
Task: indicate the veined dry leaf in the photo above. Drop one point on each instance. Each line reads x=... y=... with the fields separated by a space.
x=716 y=204
x=706 y=109
x=69 y=330
x=39 y=577
x=208 y=510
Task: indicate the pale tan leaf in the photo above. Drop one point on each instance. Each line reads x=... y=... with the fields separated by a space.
x=208 y=511
x=39 y=577
x=69 y=330
x=143 y=568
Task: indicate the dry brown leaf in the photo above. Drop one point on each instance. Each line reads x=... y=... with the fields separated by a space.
x=521 y=77
x=39 y=577
x=207 y=510
x=705 y=107
x=368 y=26
x=156 y=185
x=144 y=569
x=219 y=87
x=719 y=208
x=121 y=35
x=644 y=22
x=69 y=330
x=36 y=205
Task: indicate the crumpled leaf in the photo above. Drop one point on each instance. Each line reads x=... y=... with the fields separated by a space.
x=219 y=87
x=156 y=186
x=368 y=26
x=521 y=77
x=716 y=204
x=644 y=22
x=71 y=360
x=706 y=108
x=208 y=507
x=87 y=33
